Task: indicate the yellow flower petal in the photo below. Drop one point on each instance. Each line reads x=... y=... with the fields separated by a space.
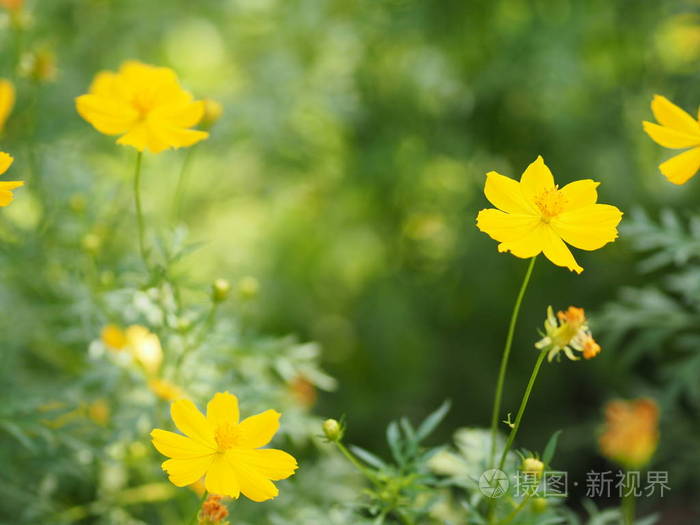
x=222 y=478
x=579 y=193
x=529 y=245
x=536 y=179
x=671 y=116
x=257 y=431
x=183 y=116
x=178 y=446
x=7 y=101
x=107 y=115
x=185 y=471
x=253 y=485
x=222 y=409
x=670 y=138
x=192 y=422
x=556 y=251
x=589 y=227
x=6 y=161
x=682 y=167
x=271 y=463
x=142 y=136
x=504 y=193
x=505 y=227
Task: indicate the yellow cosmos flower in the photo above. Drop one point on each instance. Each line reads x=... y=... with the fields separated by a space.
x=535 y=216
x=145 y=105
x=165 y=389
x=6 y=187
x=7 y=100
x=676 y=130
x=631 y=432
x=145 y=347
x=227 y=452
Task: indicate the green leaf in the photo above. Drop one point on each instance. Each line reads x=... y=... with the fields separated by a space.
x=367 y=457
x=550 y=448
x=432 y=421
x=393 y=437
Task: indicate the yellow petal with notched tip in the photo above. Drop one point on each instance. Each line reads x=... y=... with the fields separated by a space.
x=670 y=138
x=672 y=116
x=192 y=423
x=682 y=167
x=536 y=178
x=590 y=227
x=504 y=193
x=257 y=431
x=185 y=471
x=505 y=227
x=222 y=409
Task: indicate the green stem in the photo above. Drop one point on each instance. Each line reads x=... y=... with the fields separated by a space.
x=139 y=210
x=180 y=188
x=504 y=359
x=523 y=405
x=199 y=506
x=628 y=501
x=352 y=459
x=517 y=510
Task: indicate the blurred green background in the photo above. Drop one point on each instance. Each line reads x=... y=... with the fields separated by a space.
x=348 y=169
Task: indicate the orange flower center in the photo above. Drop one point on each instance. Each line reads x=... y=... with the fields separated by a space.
x=143 y=103
x=550 y=202
x=226 y=436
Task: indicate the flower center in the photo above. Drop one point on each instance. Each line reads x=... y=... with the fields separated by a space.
x=143 y=104
x=226 y=436
x=551 y=203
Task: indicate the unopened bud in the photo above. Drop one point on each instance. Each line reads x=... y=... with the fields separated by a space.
x=332 y=430
x=220 y=290
x=539 y=505
x=248 y=287
x=532 y=466
x=212 y=112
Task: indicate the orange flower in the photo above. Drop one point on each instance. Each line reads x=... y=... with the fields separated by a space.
x=631 y=432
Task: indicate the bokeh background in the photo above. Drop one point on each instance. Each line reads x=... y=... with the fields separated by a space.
x=347 y=171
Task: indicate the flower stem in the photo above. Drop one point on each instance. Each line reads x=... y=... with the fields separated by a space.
x=182 y=177
x=628 y=501
x=352 y=459
x=139 y=211
x=199 y=506
x=517 y=510
x=523 y=405
x=504 y=359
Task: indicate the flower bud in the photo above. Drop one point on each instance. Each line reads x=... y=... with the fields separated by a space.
x=532 y=466
x=539 y=505
x=220 y=290
x=212 y=112
x=248 y=287
x=332 y=430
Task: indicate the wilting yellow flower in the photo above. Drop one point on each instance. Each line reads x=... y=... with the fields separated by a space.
x=676 y=130
x=214 y=511
x=145 y=105
x=566 y=332
x=165 y=389
x=227 y=452
x=145 y=347
x=631 y=432
x=535 y=216
x=6 y=187
x=12 y=5
x=7 y=100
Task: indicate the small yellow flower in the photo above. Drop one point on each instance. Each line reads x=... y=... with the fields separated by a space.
x=145 y=105
x=631 y=432
x=7 y=101
x=227 y=452
x=166 y=390
x=568 y=332
x=677 y=130
x=113 y=337
x=535 y=216
x=6 y=187
x=145 y=347
x=12 y=5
